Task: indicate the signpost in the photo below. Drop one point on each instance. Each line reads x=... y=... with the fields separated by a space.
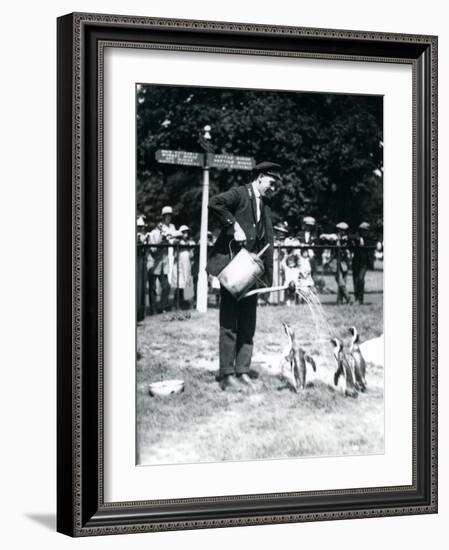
x=230 y=161
x=210 y=160
x=183 y=158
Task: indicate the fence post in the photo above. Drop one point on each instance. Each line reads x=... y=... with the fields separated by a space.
x=177 y=275
x=338 y=271
x=278 y=268
x=140 y=282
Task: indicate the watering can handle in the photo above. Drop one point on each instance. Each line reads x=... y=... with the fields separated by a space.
x=230 y=249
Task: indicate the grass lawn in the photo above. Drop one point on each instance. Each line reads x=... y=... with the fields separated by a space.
x=206 y=424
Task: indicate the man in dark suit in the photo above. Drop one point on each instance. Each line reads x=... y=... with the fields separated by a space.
x=342 y=254
x=361 y=261
x=245 y=221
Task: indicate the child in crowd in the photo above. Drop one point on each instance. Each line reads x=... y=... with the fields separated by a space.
x=305 y=280
x=291 y=274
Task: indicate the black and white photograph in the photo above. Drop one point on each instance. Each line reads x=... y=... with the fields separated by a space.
x=259 y=274
x=231 y=216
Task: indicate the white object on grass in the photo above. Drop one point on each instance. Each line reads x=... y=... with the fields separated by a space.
x=166 y=387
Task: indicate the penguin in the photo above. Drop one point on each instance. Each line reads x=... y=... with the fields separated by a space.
x=343 y=368
x=295 y=358
x=358 y=360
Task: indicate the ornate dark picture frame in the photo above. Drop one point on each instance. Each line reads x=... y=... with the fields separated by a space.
x=81 y=510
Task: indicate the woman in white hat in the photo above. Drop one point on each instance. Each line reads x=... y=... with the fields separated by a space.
x=160 y=267
x=181 y=275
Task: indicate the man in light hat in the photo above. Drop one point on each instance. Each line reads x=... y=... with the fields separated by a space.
x=162 y=260
x=141 y=277
x=307 y=236
x=361 y=260
x=246 y=221
x=140 y=226
x=281 y=230
x=343 y=257
x=343 y=263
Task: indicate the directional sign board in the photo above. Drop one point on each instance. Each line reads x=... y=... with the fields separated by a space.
x=231 y=162
x=180 y=157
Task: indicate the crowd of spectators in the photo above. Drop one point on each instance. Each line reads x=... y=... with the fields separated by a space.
x=171 y=261
x=338 y=252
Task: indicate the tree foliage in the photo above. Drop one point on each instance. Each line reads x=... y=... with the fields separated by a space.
x=329 y=145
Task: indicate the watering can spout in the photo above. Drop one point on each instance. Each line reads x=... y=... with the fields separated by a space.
x=264 y=249
x=265 y=290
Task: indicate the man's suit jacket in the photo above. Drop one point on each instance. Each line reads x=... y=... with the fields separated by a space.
x=363 y=256
x=239 y=204
x=302 y=237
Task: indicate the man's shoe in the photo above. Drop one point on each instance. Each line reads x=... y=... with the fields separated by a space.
x=246 y=380
x=229 y=382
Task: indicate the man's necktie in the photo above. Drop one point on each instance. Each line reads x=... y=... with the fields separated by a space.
x=260 y=224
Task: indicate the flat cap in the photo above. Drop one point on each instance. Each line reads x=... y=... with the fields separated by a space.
x=268 y=168
x=364 y=225
x=183 y=228
x=167 y=210
x=309 y=220
x=343 y=226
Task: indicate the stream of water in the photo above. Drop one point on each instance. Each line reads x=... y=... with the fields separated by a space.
x=323 y=328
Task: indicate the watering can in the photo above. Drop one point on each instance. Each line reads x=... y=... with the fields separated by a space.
x=242 y=272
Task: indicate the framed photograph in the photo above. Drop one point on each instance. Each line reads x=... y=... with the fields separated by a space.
x=247 y=274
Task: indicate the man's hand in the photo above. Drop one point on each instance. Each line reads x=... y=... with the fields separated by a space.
x=239 y=234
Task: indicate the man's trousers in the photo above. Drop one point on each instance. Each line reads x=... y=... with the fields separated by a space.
x=165 y=292
x=358 y=275
x=237 y=328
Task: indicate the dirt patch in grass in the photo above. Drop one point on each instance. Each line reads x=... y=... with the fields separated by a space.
x=205 y=424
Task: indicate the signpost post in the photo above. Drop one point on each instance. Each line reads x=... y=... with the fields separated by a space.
x=201 y=291
x=210 y=160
